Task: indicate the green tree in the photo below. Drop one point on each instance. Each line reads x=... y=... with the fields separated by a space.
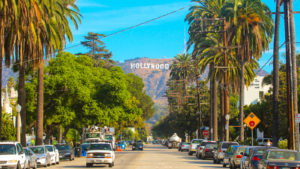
x=97 y=50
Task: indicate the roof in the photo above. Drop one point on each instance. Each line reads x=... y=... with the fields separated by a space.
x=9 y=142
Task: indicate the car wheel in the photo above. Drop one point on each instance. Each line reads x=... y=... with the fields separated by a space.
x=89 y=165
x=217 y=161
x=214 y=161
x=224 y=165
x=111 y=164
x=190 y=153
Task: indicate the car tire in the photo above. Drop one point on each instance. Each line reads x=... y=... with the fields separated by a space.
x=111 y=164
x=190 y=153
x=89 y=165
x=224 y=165
x=214 y=161
x=217 y=161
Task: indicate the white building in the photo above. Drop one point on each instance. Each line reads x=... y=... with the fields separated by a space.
x=255 y=92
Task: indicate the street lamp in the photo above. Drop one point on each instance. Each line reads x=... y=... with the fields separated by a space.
x=18 y=109
x=227 y=118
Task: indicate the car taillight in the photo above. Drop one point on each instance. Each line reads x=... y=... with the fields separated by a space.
x=206 y=150
x=272 y=167
x=201 y=148
x=255 y=158
x=239 y=156
x=220 y=151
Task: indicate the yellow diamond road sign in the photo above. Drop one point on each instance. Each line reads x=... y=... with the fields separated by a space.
x=252 y=120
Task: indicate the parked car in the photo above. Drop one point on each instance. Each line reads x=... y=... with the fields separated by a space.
x=185 y=147
x=235 y=160
x=42 y=154
x=208 y=150
x=263 y=141
x=254 y=156
x=31 y=161
x=193 y=146
x=12 y=155
x=201 y=148
x=279 y=158
x=53 y=153
x=221 y=149
x=228 y=154
x=138 y=145
x=66 y=152
x=100 y=153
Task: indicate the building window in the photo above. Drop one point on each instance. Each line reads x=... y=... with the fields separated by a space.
x=261 y=95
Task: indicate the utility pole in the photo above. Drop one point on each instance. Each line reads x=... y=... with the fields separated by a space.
x=288 y=75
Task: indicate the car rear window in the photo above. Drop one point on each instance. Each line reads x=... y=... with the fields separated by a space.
x=283 y=155
x=211 y=146
x=186 y=143
x=38 y=150
x=226 y=145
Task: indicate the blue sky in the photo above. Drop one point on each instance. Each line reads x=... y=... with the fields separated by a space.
x=162 y=38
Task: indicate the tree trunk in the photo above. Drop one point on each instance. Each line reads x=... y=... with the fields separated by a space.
x=227 y=104
x=294 y=74
x=22 y=101
x=276 y=74
x=60 y=134
x=40 y=105
x=1 y=66
x=242 y=101
x=215 y=109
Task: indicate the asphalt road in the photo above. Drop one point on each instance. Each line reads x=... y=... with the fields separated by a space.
x=153 y=157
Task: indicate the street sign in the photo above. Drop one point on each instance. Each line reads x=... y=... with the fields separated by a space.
x=205 y=133
x=252 y=121
x=297 y=118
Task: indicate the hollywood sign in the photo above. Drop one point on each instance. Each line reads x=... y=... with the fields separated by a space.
x=149 y=66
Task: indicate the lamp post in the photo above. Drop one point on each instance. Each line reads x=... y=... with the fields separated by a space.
x=18 y=109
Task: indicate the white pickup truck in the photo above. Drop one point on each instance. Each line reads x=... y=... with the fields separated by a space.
x=100 y=153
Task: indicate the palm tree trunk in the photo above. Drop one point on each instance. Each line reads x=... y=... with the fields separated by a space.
x=294 y=74
x=215 y=109
x=242 y=83
x=211 y=107
x=276 y=74
x=1 y=66
x=22 y=101
x=40 y=105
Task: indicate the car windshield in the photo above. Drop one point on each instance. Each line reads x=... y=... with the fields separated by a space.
x=63 y=147
x=100 y=147
x=38 y=150
x=196 y=141
x=226 y=145
x=283 y=155
x=49 y=148
x=7 y=149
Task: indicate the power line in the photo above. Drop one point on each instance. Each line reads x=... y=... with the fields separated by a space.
x=271 y=58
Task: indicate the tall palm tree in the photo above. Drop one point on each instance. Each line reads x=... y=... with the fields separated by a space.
x=251 y=27
x=52 y=36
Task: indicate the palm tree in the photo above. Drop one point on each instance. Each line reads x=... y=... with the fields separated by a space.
x=251 y=27
x=51 y=37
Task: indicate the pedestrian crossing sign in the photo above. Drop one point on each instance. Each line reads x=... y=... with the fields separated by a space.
x=252 y=120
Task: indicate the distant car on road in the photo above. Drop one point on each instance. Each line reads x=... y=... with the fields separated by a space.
x=12 y=155
x=279 y=158
x=201 y=147
x=138 y=145
x=100 y=153
x=184 y=146
x=193 y=145
x=31 y=161
x=42 y=154
x=263 y=141
x=221 y=149
x=208 y=150
x=66 y=152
